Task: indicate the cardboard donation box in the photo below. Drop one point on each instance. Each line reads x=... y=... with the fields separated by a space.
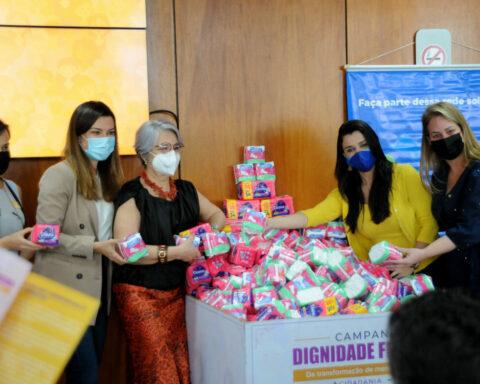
x=341 y=349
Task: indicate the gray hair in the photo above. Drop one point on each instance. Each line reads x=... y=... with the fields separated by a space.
x=147 y=135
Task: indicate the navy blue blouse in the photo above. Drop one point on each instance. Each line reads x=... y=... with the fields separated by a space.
x=458 y=214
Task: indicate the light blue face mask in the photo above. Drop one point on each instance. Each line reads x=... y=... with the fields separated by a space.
x=99 y=148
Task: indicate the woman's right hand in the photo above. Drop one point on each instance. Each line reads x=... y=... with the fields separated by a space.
x=187 y=251
x=109 y=249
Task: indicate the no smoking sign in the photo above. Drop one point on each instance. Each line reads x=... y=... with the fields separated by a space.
x=434 y=55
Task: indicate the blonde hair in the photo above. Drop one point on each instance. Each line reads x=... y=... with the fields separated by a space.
x=429 y=161
x=109 y=170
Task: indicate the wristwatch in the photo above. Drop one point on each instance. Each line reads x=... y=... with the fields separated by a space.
x=162 y=254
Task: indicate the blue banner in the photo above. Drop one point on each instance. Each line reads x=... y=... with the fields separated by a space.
x=393 y=102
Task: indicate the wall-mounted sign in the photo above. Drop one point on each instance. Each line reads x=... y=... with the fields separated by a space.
x=433 y=47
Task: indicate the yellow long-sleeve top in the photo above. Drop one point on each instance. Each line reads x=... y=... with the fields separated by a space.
x=410 y=219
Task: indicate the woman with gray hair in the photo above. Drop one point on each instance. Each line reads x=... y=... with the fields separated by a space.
x=150 y=293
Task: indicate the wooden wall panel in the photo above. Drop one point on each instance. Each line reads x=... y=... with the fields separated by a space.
x=162 y=88
x=378 y=26
x=261 y=72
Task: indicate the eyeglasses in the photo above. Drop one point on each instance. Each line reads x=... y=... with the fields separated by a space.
x=167 y=147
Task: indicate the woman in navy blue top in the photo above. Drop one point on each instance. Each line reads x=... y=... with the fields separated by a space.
x=451 y=151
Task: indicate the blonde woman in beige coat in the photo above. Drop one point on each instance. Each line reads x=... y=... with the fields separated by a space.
x=78 y=194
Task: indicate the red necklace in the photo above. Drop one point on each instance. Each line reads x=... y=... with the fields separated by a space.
x=158 y=190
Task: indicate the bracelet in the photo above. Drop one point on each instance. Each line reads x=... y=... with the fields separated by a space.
x=215 y=227
x=162 y=254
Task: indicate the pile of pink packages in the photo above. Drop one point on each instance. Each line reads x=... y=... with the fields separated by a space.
x=256 y=275
x=255 y=181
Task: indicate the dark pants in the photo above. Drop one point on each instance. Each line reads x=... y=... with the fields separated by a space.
x=83 y=365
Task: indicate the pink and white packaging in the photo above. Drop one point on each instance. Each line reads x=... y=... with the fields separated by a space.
x=258 y=189
x=254 y=222
x=309 y=295
x=289 y=304
x=323 y=271
x=243 y=296
x=244 y=172
x=340 y=265
x=318 y=232
x=216 y=264
x=384 y=252
x=299 y=283
x=336 y=230
x=223 y=283
x=233 y=225
x=278 y=206
x=293 y=238
x=356 y=287
x=274 y=273
x=257 y=241
x=422 y=284
x=215 y=244
x=263 y=296
x=296 y=269
x=198 y=274
x=254 y=154
x=334 y=290
x=287 y=255
x=199 y=231
x=235 y=209
x=203 y=292
x=269 y=312
x=243 y=255
x=235 y=310
x=265 y=171
x=181 y=239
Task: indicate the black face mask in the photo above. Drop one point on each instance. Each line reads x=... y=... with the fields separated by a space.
x=4 y=161
x=449 y=148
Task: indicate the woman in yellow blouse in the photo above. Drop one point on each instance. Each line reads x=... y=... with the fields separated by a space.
x=376 y=199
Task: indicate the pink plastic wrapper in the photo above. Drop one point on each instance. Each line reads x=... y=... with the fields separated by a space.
x=216 y=264
x=243 y=296
x=243 y=255
x=318 y=232
x=235 y=209
x=289 y=304
x=333 y=289
x=353 y=309
x=203 y=292
x=244 y=172
x=422 y=284
x=307 y=257
x=219 y=298
x=259 y=189
x=199 y=231
x=235 y=310
x=46 y=234
x=288 y=256
x=132 y=248
x=263 y=296
x=325 y=307
x=223 y=283
x=233 y=225
x=215 y=244
x=259 y=242
x=265 y=171
x=269 y=312
x=384 y=252
x=292 y=239
x=335 y=230
x=274 y=274
x=197 y=275
x=233 y=269
x=278 y=206
x=254 y=154
x=323 y=271
x=254 y=222
x=299 y=283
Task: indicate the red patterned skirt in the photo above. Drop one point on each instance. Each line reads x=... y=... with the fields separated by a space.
x=154 y=323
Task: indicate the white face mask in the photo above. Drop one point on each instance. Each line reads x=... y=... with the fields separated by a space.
x=166 y=163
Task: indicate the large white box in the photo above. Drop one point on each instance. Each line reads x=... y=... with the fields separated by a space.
x=343 y=349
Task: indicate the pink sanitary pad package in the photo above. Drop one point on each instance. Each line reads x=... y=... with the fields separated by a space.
x=133 y=248
x=46 y=234
x=254 y=154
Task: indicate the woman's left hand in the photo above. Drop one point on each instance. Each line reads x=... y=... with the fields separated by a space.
x=397 y=272
x=109 y=249
x=412 y=256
